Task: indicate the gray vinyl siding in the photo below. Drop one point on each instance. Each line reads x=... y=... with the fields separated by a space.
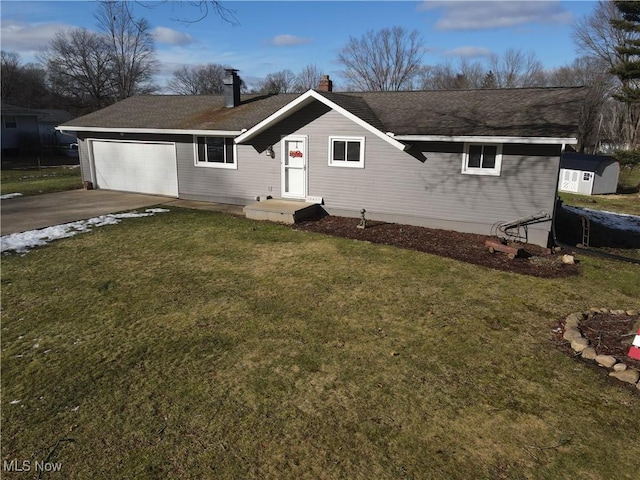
x=396 y=186
x=83 y=153
x=257 y=174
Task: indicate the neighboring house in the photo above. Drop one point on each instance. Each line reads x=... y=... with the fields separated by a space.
x=458 y=160
x=20 y=129
x=588 y=174
x=48 y=120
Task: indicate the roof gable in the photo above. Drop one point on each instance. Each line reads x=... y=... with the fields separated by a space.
x=351 y=107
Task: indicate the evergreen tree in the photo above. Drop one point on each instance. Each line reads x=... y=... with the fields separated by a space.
x=489 y=80
x=628 y=68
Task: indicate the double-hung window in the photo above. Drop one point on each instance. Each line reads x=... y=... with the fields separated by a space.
x=346 y=152
x=217 y=152
x=10 y=122
x=482 y=159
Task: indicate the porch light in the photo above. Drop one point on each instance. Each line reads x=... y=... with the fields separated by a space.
x=270 y=152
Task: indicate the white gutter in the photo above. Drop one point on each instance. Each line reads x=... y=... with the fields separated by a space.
x=487 y=139
x=171 y=131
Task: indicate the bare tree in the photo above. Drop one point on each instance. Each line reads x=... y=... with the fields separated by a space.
x=198 y=80
x=204 y=9
x=10 y=75
x=596 y=36
x=517 y=69
x=446 y=76
x=283 y=81
x=388 y=59
x=594 y=73
x=78 y=65
x=131 y=47
x=308 y=78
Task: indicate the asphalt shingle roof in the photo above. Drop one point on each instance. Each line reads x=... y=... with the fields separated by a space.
x=585 y=163
x=532 y=112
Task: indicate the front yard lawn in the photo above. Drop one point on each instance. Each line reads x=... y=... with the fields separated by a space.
x=38 y=181
x=199 y=345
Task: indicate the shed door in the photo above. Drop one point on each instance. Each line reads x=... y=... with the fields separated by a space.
x=141 y=167
x=569 y=180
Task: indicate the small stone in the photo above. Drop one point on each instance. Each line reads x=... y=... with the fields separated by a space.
x=395 y=354
x=618 y=312
x=579 y=344
x=573 y=320
x=630 y=375
x=638 y=385
x=571 y=333
x=607 y=361
x=568 y=259
x=620 y=367
x=594 y=310
x=589 y=353
x=632 y=312
x=604 y=310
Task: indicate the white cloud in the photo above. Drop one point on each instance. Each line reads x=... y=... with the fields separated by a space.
x=28 y=38
x=171 y=37
x=286 y=40
x=469 y=51
x=486 y=15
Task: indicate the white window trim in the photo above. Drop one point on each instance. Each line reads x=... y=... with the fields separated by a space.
x=346 y=164
x=229 y=166
x=495 y=172
x=14 y=123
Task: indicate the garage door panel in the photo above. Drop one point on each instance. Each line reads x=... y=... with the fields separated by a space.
x=136 y=167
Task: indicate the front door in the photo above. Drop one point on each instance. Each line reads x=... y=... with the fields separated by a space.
x=294 y=167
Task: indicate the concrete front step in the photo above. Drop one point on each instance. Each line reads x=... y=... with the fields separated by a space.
x=281 y=211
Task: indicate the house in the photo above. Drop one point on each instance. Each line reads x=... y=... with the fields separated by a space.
x=459 y=160
x=588 y=174
x=20 y=129
x=48 y=120
x=28 y=129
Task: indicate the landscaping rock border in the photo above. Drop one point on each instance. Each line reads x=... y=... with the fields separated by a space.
x=580 y=345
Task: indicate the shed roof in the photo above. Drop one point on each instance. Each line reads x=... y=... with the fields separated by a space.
x=531 y=112
x=584 y=162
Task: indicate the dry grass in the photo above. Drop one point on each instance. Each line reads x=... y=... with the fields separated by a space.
x=197 y=345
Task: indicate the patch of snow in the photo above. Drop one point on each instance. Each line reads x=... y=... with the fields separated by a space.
x=617 y=221
x=10 y=195
x=14 y=402
x=23 y=242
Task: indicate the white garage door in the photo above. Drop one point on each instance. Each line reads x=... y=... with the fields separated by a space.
x=142 y=167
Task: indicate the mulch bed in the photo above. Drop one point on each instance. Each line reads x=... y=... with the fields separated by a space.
x=466 y=247
x=608 y=334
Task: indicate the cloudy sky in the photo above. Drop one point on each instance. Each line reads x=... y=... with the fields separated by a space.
x=270 y=36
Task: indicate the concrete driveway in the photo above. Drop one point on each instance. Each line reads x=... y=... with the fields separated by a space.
x=31 y=213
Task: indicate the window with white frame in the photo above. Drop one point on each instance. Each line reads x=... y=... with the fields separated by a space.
x=346 y=152
x=10 y=122
x=218 y=152
x=482 y=159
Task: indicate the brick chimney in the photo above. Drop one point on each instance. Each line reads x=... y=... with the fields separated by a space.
x=231 y=88
x=325 y=84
